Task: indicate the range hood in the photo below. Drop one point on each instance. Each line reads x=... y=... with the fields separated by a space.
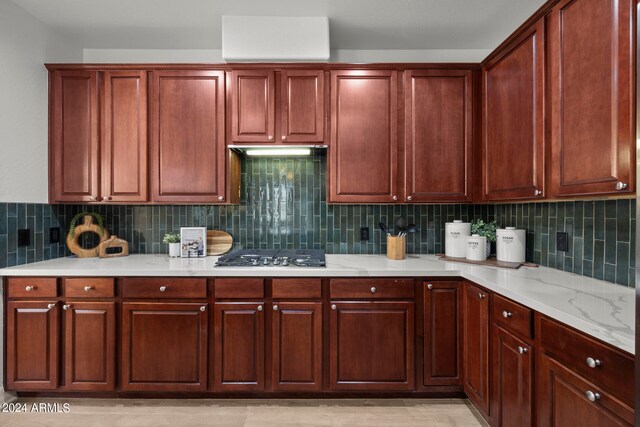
x=275 y=39
x=279 y=150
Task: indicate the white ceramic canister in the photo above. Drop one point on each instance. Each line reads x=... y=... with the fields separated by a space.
x=511 y=244
x=455 y=238
x=476 y=248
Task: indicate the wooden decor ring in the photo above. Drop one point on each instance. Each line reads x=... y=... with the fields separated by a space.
x=87 y=226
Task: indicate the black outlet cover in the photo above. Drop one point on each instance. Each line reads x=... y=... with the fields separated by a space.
x=54 y=235
x=364 y=233
x=562 y=241
x=24 y=237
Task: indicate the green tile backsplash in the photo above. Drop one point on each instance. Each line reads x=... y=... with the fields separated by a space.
x=283 y=206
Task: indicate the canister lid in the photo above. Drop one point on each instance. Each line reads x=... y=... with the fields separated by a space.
x=456 y=221
x=509 y=228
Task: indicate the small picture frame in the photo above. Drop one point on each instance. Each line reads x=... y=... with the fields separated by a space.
x=193 y=242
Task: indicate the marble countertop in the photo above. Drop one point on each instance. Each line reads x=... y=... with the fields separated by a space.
x=597 y=308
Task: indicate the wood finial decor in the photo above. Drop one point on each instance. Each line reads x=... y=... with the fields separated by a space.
x=113 y=242
x=87 y=226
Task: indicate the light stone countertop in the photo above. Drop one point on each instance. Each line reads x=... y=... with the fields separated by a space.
x=601 y=309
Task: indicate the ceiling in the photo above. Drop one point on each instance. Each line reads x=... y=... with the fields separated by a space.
x=354 y=24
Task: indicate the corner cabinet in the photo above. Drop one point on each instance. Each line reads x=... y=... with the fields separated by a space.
x=513 y=119
x=592 y=79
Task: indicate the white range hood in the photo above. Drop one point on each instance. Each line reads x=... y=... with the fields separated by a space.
x=275 y=39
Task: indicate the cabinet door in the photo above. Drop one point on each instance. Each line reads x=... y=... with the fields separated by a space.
x=592 y=97
x=439 y=135
x=90 y=343
x=252 y=106
x=188 y=161
x=364 y=141
x=372 y=346
x=32 y=345
x=73 y=127
x=302 y=106
x=124 y=136
x=297 y=346
x=476 y=346
x=512 y=385
x=239 y=346
x=442 y=334
x=164 y=346
x=564 y=398
x=513 y=119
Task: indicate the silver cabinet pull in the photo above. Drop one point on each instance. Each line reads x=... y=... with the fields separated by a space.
x=259 y=308
x=621 y=185
x=592 y=396
x=537 y=192
x=481 y=295
x=66 y=306
x=106 y=198
x=270 y=137
x=395 y=197
x=163 y=289
x=284 y=137
x=373 y=290
x=429 y=286
x=593 y=363
x=275 y=308
x=522 y=350
x=507 y=314
x=409 y=198
x=333 y=307
x=221 y=198
x=93 y=198
x=51 y=306
x=29 y=288
x=203 y=308
x=88 y=288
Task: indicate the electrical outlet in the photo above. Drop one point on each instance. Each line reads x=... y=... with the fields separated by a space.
x=364 y=233
x=24 y=237
x=562 y=241
x=54 y=235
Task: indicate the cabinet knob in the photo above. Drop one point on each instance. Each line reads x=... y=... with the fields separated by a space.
x=93 y=198
x=507 y=314
x=221 y=198
x=537 y=192
x=333 y=307
x=270 y=137
x=29 y=288
x=373 y=290
x=395 y=197
x=284 y=137
x=621 y=185
x=522 y=350
x=66 y=306
x=88 y=288
x=429 y=286
x=409 y=198
x=163 y=288
x=106 y=198
x=51 y=306
x=275 y=308
x=203 y=308
x=593 y=363
x=481 y=295
x=592 y=396
x=259 y=308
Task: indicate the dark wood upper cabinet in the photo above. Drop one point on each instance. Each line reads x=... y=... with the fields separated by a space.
x=124 y=136
x=363 y=153
x=90 y=346
x=476 y=346
x=513 y=119
x=73 y=126
x=301 y=106
x=592 y=77
x=439 y=135
x=253 y=106
x=164 y=346
x=32 y=341
x=442 y=333
x=372 y=346
x=188 y=161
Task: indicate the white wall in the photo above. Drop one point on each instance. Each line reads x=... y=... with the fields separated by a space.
x=25 y=45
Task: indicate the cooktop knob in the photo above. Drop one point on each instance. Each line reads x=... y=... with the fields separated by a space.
x=266 y=261
x=276 y=261
x=254 y=262
x=285 y=262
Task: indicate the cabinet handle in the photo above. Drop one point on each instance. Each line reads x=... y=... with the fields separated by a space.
x=275 y=308
x=481 y=295
x=522 y=350
x=621 y=185
x=592 y=396
x=203 y=308
x=507 y=314
x=51 y=306
x=163 y=288
x=88 y=288
x=93 y=198
x=409 y=198
x=29 y=288
x=259 y=308
x=395 y=197
x=429 y=286
x=106 y=198
x=537 y=192
x=373 y=290
x=270 y=137
x=66 y=306
x=333 y=307
x=221 y=198
x=284 y=137
x=593 y=363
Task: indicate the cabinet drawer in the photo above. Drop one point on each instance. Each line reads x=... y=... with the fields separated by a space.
x=164 y=288
x=371 y=288
x=239 y=288
x=512 y=316
x=26 y=287
x=88 y=287
x=611 y=369
x=296 y=288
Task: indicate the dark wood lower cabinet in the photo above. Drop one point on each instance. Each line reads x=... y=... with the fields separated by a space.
x=239 y=350
x=565 y=398
x=164 y=346
x=476 y=346
x=32 y=345
x=90 y=343
x=372 y=345
x=512 y=381
x=296 y=350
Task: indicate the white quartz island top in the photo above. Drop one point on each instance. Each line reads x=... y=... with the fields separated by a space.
x=597 y=308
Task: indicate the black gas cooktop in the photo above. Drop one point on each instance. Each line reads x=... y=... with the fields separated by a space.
x=273 y=258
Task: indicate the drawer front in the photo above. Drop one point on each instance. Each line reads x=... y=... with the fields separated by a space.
x=513 y=316
x=611 y=369
x=371 y=288
x=88 y=287
x=247 y=288
x=164 y=288
x=27 y=287
x=296 y=288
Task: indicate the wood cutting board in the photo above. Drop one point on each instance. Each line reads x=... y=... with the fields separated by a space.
x=218 y=242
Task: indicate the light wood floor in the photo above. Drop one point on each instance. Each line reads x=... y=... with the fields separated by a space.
x=264 y=413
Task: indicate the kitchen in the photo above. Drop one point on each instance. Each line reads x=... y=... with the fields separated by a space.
x=301 y=151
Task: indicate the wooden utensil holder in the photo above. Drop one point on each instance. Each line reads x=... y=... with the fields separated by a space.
x=396 y=247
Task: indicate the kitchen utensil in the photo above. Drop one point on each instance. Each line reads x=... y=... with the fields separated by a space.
x=455 y=242
x=412 y=228
x=511 y=244
x=384 y=228
x=401 y=224
x=218 y=242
